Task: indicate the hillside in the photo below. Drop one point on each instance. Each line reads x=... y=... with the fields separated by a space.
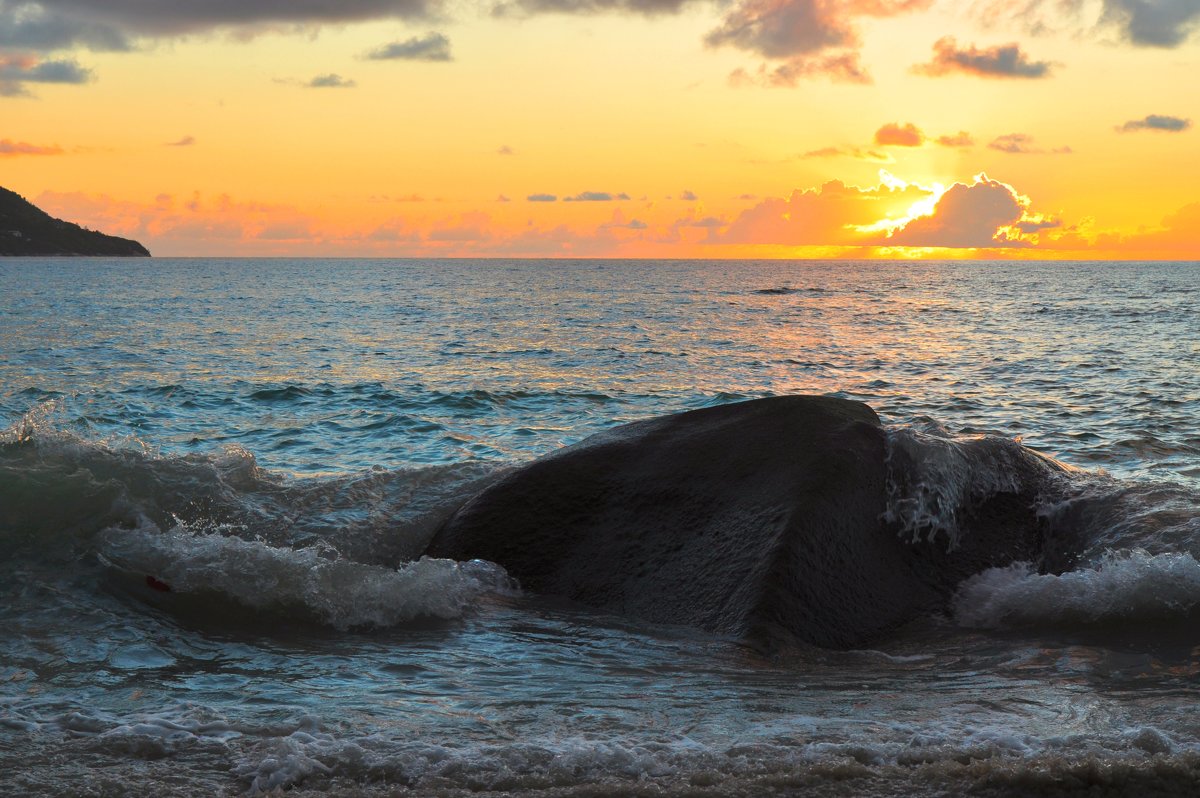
x=27 y=230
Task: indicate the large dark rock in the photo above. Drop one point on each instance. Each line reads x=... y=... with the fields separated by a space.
x=759 y=519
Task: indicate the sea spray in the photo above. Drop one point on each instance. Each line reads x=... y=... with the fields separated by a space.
x=312 y=580
x=1124 y=589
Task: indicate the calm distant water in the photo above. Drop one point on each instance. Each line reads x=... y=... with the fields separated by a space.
x=278 y=438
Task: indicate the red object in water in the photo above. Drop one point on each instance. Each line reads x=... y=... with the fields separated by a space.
x=158 y=584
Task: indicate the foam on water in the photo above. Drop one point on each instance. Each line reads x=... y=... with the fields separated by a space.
x=277 y=439
x=934 y=477
x=309 y=581
x=304 y=752
x=1126 y=588
x=56 y=484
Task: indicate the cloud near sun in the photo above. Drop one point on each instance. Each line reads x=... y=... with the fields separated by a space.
x=379 y=111
x=981 y=214
x=984 y=213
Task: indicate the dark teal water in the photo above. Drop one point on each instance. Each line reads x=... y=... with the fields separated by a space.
x=277 y=439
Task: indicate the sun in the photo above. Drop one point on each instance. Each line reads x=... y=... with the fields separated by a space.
x=922 y=207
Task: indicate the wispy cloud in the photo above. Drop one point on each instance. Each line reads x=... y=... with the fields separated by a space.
x=804 y=38
x=330 y=81
x=186 y=141
x=519 y=8
x=432 y=46
x=894 y=134
x=596 y=196
x=112 y=24
x=1144 y=23
x=17 y=71
x=1154 y=23
x=1004 y=61
x=842 y=68
x=12 y=149
x=1023 y=144
x=858 y=153
x=960 y=139
x=541 y=198
x=38 y=26
x=1168 y=124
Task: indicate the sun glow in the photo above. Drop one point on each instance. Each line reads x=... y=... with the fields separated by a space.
x=922 y=207
x=638 y=143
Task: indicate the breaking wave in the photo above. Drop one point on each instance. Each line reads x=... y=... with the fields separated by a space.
x=183 y=530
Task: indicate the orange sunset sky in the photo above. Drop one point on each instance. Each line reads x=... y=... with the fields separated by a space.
x=611 y=128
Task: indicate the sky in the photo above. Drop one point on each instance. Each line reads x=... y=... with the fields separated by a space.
x=1049 y=129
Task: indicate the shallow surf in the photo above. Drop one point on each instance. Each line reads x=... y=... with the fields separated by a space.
x=277 y=479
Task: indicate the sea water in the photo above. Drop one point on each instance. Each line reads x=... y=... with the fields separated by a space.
x=275 y=440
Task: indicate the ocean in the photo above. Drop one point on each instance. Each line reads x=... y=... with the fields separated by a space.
x=277 y=440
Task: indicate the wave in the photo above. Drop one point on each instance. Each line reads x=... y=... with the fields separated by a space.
x=1114 y=554
x=952 y=756
x=311 y=582
x=785 y=290
x=339 y=550
x=1124 y=589
x=56 y=484
x=344 y=550
x=935 y=478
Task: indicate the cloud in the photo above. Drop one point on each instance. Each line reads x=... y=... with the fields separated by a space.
x=12 y=149
x=853 y=152
x=1005 y=61
x=619 y=222
x=1170 y=124
x=896 y=135
x=829 y=215
x=1033 y=225
x=1022 y=144
x=330 y=81
x=30 y=26
x=16 y=71
x=983 y=214
x=394 y=232
x=286 y=231
x=811 y=37
x=786 y=28
x=1145 y=23
x=960 y=139
x=432 y=46
x=688 y=196
x=1180 y=233
x=595 y=196
x=506 y=150
x=113 y=24
x=644 y=7
x=541 y=198
x=471 y=227
x=186 y=141
x=191 y=223
x=1154 y=23
x=843 y=68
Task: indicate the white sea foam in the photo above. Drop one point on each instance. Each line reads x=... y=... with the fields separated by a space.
x=1122 y=588
x=291 y=760
x=305 y=751
x=933 y=477
x=315 y=580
